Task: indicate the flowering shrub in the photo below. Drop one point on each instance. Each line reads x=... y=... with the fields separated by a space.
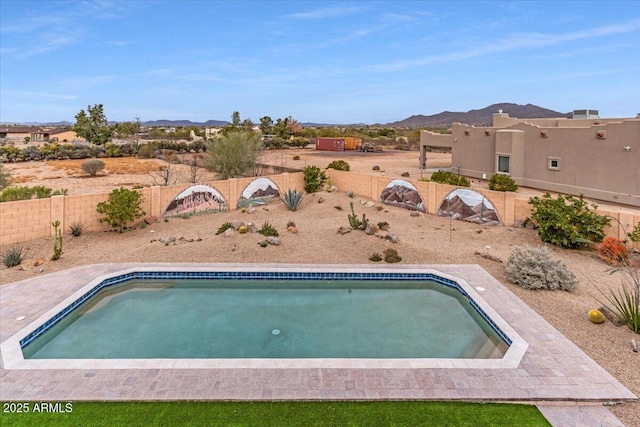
x=613 y=251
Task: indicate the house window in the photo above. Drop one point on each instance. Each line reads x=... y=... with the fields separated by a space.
x=503 y=164
x=553 y=163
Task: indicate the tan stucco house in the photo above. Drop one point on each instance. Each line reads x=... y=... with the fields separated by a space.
x=599 y=158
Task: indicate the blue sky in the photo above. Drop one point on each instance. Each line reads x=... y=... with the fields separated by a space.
x=327 y=62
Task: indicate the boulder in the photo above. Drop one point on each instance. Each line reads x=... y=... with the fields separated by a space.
x=370 y=230
x=344 y=230
x=228 y=232
x=238 y=224
x=151 y=219
x=252 y=228
x=393 y=238
x=405 y=174
x=376 y=168
x=167 y=239
x=272 y=240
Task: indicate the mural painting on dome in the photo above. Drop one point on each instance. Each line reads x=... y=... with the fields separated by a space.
x=469 y=205
x=403 y=194
x=260 y=191
x=195 y=200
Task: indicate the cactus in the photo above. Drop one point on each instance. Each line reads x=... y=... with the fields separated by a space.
x=354 y=222
x=57 y=241
x=596 y=316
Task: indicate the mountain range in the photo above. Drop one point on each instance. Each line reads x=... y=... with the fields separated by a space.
x=480 y=117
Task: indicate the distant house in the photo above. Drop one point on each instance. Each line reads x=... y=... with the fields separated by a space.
x=63 y=135
x=593 y=156
x=17 y=134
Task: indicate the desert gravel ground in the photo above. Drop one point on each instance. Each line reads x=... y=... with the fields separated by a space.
x=424 y=239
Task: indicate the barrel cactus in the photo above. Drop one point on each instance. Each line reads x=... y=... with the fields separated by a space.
x=242 y=229
x=596 y=316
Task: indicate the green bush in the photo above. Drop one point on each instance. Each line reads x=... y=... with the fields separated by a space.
x=92 y=166
x=224 y=227
x=567 y=221
x=535 y=268
x=339 y=165
x=450 y=178
x=635 y=234
x=123 y=207
x=12 y=194
x=234 y=154
x=268 y=230
x=314 y=178
x=501 y=182
x=5 y=177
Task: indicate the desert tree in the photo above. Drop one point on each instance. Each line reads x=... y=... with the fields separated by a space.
x=195 y=171
x=93 y=125
x=234 y=154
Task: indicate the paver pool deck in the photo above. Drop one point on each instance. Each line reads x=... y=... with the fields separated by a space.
x=553 y=372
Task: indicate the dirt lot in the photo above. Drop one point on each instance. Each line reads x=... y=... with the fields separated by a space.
x=128 y=171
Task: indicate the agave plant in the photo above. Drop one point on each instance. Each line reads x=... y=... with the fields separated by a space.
x=12 y=257
x=292 y=199
x=625 y=302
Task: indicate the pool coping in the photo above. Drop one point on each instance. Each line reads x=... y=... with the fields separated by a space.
x=13 y=357
x=552 y=370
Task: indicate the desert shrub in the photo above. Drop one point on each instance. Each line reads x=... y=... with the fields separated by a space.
x=567 y=221
x=146 y=151
x=296 y=157
x=77 y=228
x=5 y=177
x=391 y=256
x=501 y=182
x=12 y=257
x=625 y=302
x=635 y=234
x=123 y=207
x=268 y=230
x=233 y=154
x=292 y=199
x=92 y=166
x=339 y=165
x=314 y=178
x=536 y=268
x=11 y=194
x=612 y=251
x=447 y=177
x=375 y=257
x=224 y=227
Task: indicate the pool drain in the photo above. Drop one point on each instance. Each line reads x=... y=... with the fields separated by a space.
x=276 y=332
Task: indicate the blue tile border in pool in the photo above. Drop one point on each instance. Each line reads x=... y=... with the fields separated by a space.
x=258 y=275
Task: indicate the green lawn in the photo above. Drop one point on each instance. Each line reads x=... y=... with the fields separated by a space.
x=379 y=413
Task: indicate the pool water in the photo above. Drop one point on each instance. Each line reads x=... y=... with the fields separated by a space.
x=271 y=319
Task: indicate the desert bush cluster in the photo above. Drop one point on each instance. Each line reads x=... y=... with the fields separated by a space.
x=536 y=268
x=450 y=178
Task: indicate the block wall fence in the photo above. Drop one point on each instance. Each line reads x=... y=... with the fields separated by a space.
x=27 y=220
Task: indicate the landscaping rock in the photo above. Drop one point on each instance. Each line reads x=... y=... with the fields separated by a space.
x=251 y=210
x=228 y=232
x=370 y=230
x=334 y=189
x=320 y=200
x=238 y=224
x=344 y=230
x=292 y=229
x=416 y=213
x=272 y=240
x=252 y=228
x=263 y=244
x=371 y=204
x=393 y=238
x=376 y=168
x=167 y=239
x=405 y=174
x=151 y=219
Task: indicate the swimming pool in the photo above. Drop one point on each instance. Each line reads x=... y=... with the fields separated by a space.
x=390 y=296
